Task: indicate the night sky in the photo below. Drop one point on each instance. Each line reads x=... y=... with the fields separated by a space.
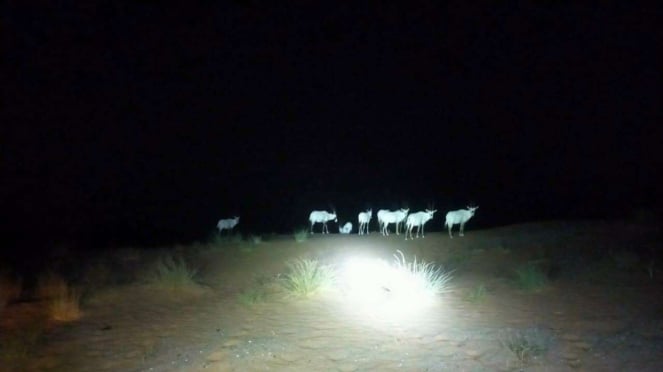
x=137 y=123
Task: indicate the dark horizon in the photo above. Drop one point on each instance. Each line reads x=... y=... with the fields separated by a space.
x=133 y=123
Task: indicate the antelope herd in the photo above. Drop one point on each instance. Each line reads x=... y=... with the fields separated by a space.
x=384 y=217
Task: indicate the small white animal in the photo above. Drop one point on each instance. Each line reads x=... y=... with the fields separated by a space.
x=418 y=219
x=460 y=216
x=364 y=218
x=227 y=224
x=322 y=217
x=345 y=229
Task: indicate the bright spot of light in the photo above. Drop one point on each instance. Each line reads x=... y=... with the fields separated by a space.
x=375 y=288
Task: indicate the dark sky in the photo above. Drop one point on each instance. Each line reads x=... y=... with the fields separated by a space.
x=137 y=122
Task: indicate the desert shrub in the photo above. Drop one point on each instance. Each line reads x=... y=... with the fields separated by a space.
x=218 y=238
x=262 y=288
x=435 y=280
x=530 y=277
x=306 y=277
x=62 y=299
x=64 y=305
x=252 y=295
x=255 y=239
x=171 y=273
x=301 y=235
x=527 y=344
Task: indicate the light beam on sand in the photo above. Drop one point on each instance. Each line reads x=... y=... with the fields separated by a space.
x=376 y=289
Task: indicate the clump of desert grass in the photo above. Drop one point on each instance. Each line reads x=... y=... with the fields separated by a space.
x=66 y=305
x=219 y=240
x=433 y=278
x=306 y=277
x=527 y=345
x=251 y=296
x=172 y=274
x=301 y=235
x=62 y=299
x=530 y=277
x=262 y=288
x=255 y=239
x=476 y=294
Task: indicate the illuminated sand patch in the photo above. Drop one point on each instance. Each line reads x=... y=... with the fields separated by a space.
x=377 y=289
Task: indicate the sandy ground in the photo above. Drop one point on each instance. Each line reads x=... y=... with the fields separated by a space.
x=601 y=310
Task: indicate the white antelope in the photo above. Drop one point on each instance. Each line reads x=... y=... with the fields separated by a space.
x=345 y=229
x=401 y=215
x=460 y=216
x=364 y=218
x=386 y=217
x=227 y=224
x=321 y=217
x=418 y=219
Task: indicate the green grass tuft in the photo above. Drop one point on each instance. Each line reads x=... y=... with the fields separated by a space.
x=527 y=344
x=301 y=235
x=172 y=274
x=477 y=294
x=306 y=277
x=435 y=279
x=252 y=296
x=530 y=277
x=65 y=305
x=255 y=239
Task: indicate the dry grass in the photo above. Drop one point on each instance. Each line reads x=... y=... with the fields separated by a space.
x=64 y=301
x=65 y=306
x=172 y=274
x=306 y=277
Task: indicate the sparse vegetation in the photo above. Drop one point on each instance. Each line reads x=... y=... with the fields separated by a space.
x=301 y=235
x=171 y=273
x=306 y=277
x=530 y=277
x=255 y=239
x=64 y=306
x=216 y=238
x=252 y=295
x=527 y=344
x=435 y=279
x=64 y=301
x=477 y=294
